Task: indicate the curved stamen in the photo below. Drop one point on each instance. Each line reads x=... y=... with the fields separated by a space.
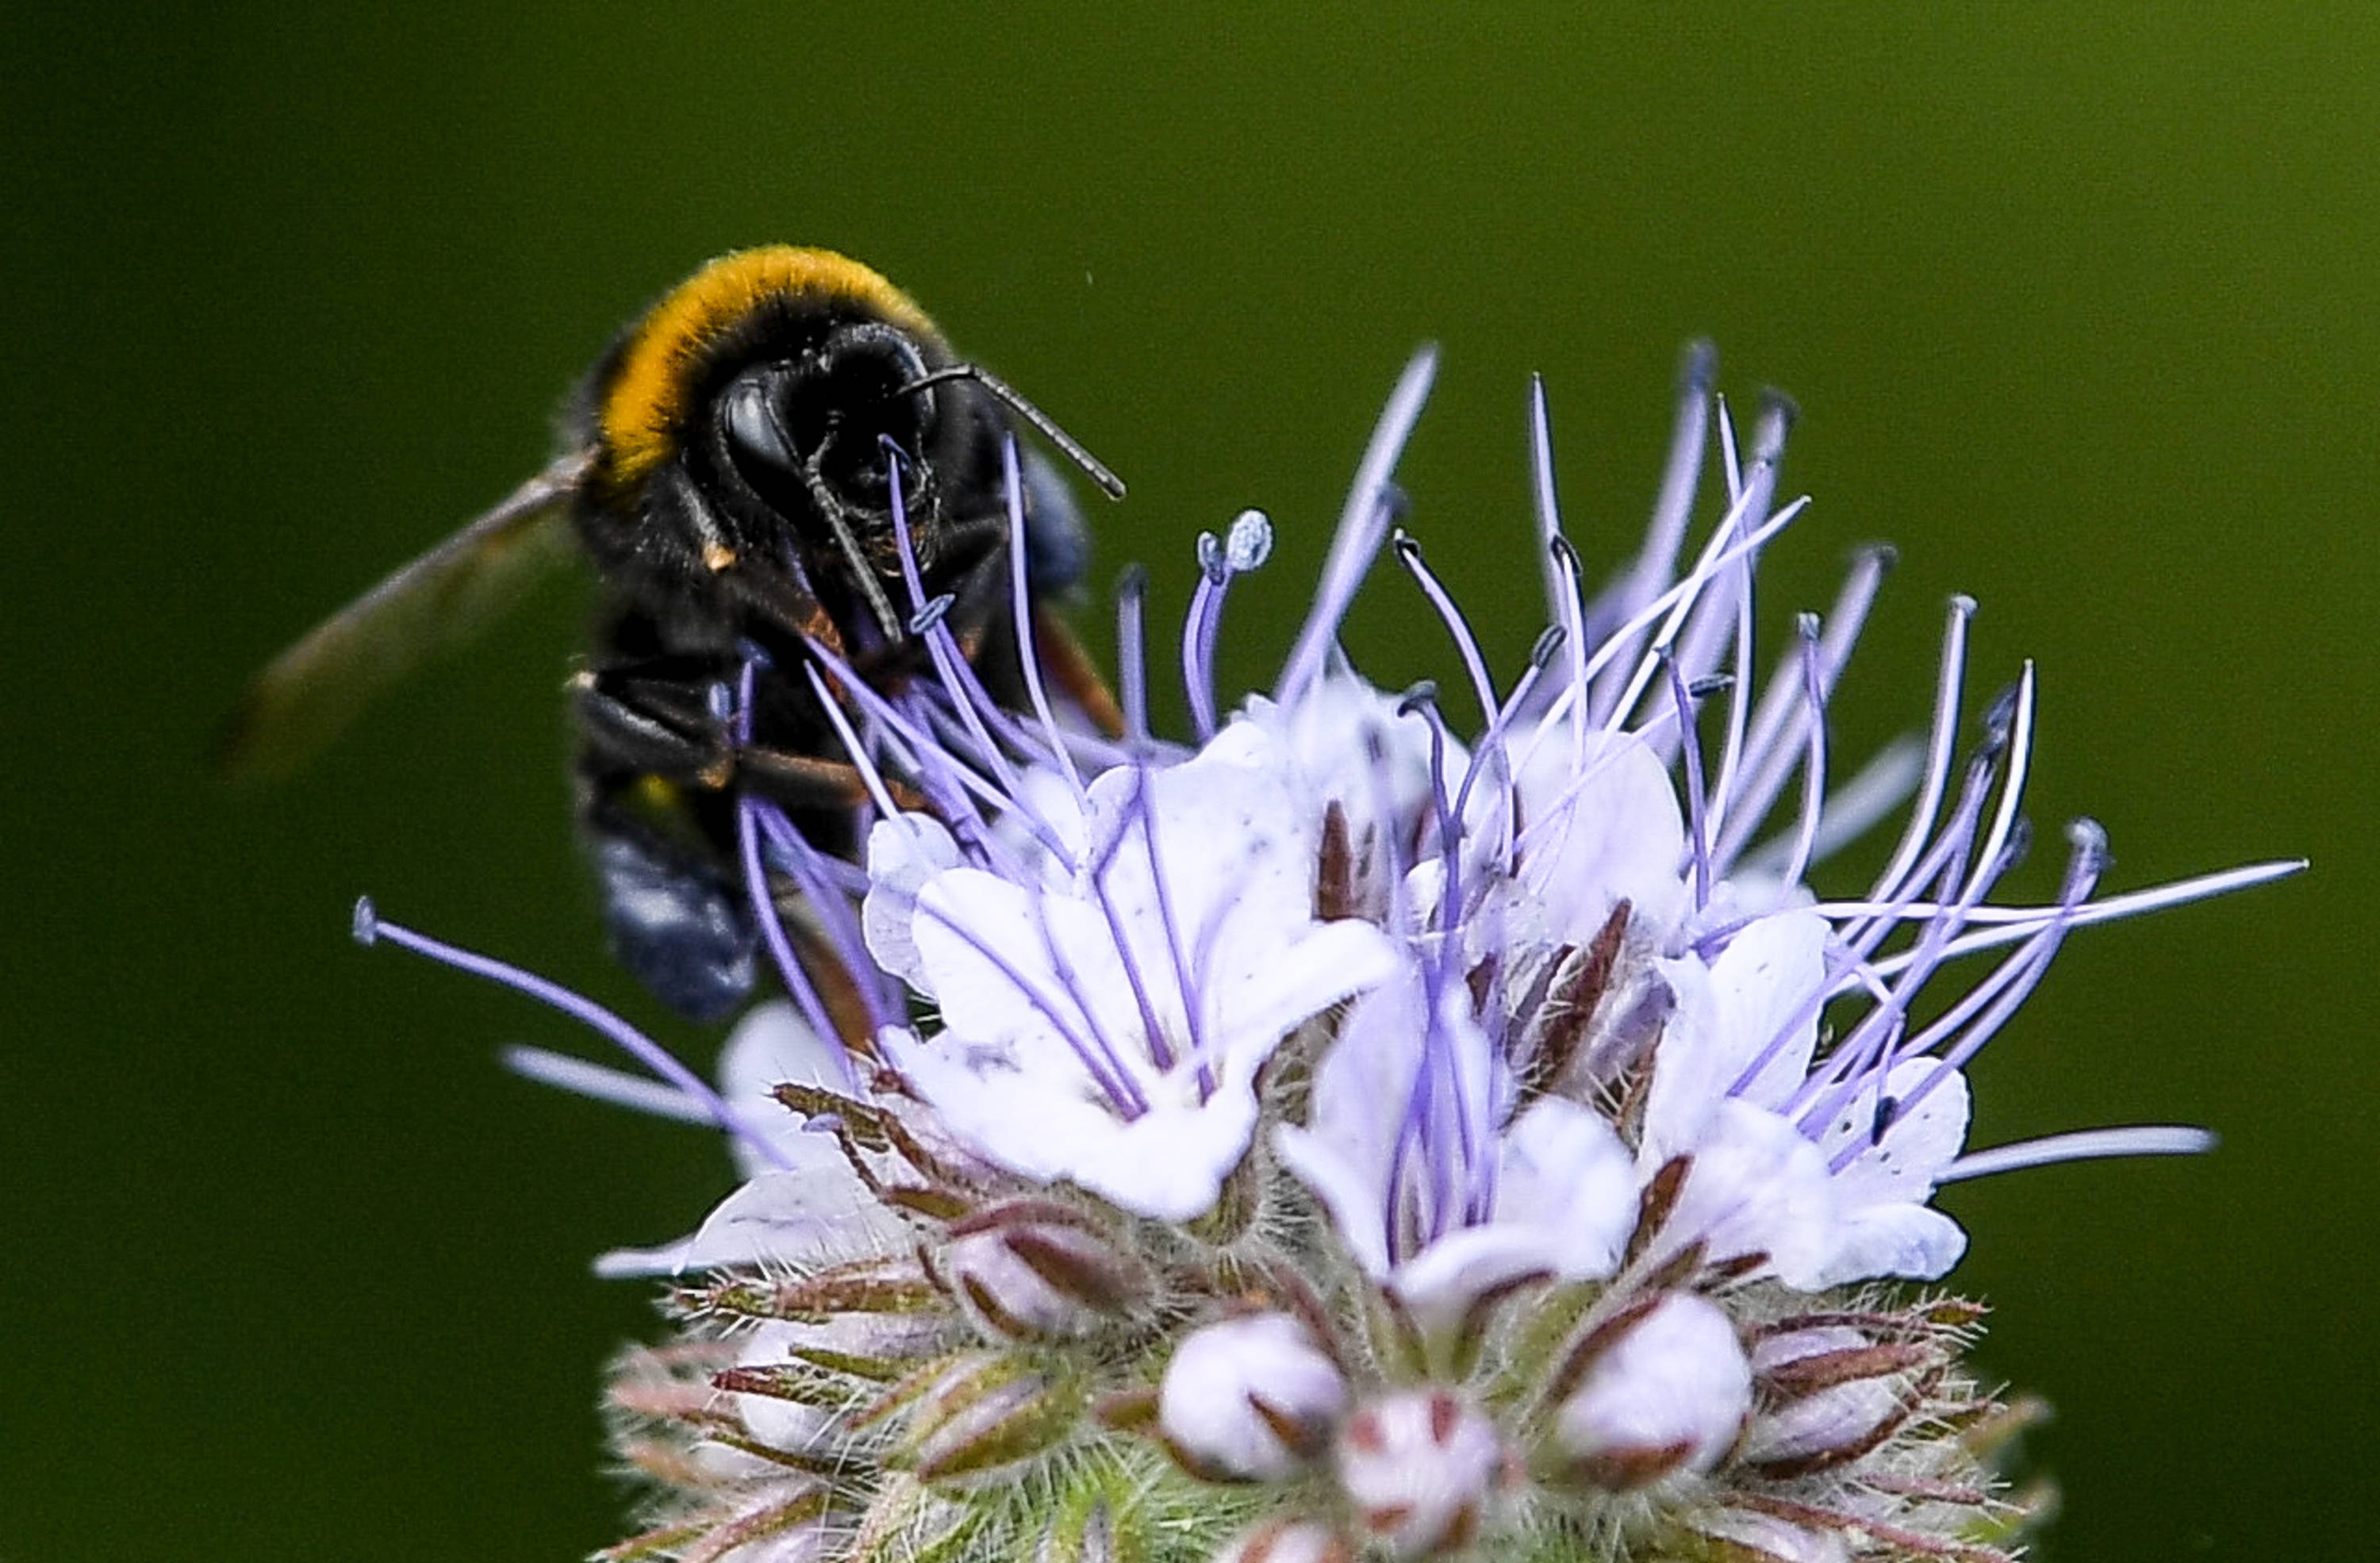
x=1132 y=652
x=369 y=928
x=1021 y=605
x=1813 y=771
x=2085 y=1145
x=1363 y=527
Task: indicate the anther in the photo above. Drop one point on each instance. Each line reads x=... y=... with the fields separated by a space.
x=1999 y=716
x=932 y=614
x=1211 y=559
x=1697 y=368
x=1249 y=542
x=1549 y=646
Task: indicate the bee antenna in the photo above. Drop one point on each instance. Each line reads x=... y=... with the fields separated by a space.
x=1013 y=400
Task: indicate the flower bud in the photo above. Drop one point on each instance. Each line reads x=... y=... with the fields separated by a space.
x=1040 y=1279
x=1670 y=1393
x=1287 y=1541
x=1421 y=1469
x=1830 y=1394
x=773 y=1419
x=1251 y=1398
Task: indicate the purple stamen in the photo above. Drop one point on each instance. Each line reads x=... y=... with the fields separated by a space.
x=2014 y=924
x=1021 y=604
x=2088 y=861
x=1873 y=1031
x=1571 y=613
x=1629 y=596
x=1422 y=701
x=841 y=930
x=1197 y=671
x=910 y=575
x=1778 y=738
x=370 y=929
x=598 y=1083
x=1191 y=998
x=2020 y=759
x=1690 y=746
x=1739 y=709
x=1561 y=595
x=772 y=932
x=1874 y=1045
x=1492 y=742
x=1161 y=1049
x=1728 y=544
x=1939 y=747
x=1132 y=653
x=1466 y=645
x=2086 y=1145
x=1814 y=772
x=1363 y=526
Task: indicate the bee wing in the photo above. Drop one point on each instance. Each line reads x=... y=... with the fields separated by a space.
x=309 y=692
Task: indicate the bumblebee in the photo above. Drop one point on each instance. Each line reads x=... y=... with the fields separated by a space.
x=727 y=472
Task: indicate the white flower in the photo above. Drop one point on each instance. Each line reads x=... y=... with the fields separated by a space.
x=1109 y=1034
x=1427 y=1189
x=1342 y=1133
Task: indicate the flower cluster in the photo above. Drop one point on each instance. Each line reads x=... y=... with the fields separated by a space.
x=1333 y=1136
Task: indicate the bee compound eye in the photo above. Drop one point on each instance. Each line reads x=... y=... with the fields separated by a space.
x=756 y=434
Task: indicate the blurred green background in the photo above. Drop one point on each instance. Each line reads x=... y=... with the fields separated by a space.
x=2082 y=304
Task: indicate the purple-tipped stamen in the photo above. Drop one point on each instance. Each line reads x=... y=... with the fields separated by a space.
x=1363 y=527
x=1697 y=821
x=1814 y=769
x=2085 y=1145
x=1021 y=604
x=1627 y=599
x=1132 y=653
x=369 y=928
x=598 y=1083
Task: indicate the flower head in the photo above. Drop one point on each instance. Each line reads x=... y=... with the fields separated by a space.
x=1336 y=1135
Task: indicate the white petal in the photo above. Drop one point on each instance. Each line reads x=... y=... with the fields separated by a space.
x=1601 y=832
x=1911 y=1241
x=770 y=1046
x=1168 y=1164
x=1919 y=1142
x=778 y=1219
x=1756 y=1187
x=902 y=855
x=1565 y=1176
x=1728 y=1013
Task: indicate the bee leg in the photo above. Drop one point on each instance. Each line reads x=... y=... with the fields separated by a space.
x=650 y=726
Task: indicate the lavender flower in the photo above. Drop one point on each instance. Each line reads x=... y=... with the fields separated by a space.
x=1334 y=1136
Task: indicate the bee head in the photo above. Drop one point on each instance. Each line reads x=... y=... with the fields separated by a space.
x=808 y=435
